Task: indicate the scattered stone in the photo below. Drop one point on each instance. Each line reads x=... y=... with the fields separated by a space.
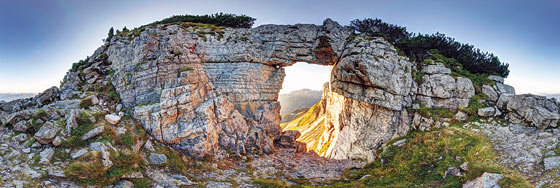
x=56 y=172
x=365 y=176
x=549 y=153
x=461 y=116
x=93 y=98
x=97 y=146
x=46 y=156
x=112 y=118
x=57 y=141
x=21 y=126
x=93 y=133
x=218 y=184
x=486 y=112
x=149 y=146
x=79 y=153
x=124 y=184
x=165 y=180
x=119 y=107
x=134 y=175
x=544 y=134
x=105 y=154
x=551 y=162
x=36 y=145
x=71 y=121
x=26 y=150
x=399 y=143
x=452 y=172
x=156 y=158
x=487 y=180
x=20 y=137
x=465 y=166
x=46 y=133
x=121 y=130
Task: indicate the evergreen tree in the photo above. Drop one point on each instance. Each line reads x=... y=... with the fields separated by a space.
x=110 y=35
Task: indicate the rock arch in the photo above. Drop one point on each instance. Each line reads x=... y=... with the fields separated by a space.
x=216 y=92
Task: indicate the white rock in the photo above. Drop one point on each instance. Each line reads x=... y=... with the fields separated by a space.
x=46 y=156
x=157 y=159
x=94 y=132
x=486 y=112
x=79 y=153
x=461 y=116
x=36 y=145
x=57 y=141
x=465 y=166
x=487 y=180
x=46 y=133
x=496 y=78
x=149 y=146
x=112 y=118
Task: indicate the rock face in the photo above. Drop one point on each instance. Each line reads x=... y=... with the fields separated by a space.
x=441 y=90
x=530 y=109
x=204 y=94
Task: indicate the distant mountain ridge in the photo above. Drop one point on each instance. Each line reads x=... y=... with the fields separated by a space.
x=557 y=95
x=303 y=98
x=7 y=97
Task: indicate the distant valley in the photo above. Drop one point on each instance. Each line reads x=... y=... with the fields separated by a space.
x=303 y=98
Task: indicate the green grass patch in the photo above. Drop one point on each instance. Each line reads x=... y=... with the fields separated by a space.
x=84 y=126
x=183 y=69
x=125 y=140
x=474 y=105
x=86 y=103
x=89 y=170
x=424 y=158
x=268 y=183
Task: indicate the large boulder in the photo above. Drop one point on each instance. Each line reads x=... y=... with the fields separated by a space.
x=490 y=92
x=46 y=133
x=50 y=95
x=113 y=118
x=532 y=110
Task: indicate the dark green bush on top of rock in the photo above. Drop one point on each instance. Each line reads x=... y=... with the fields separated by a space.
x=417 y=46
x=218 y=19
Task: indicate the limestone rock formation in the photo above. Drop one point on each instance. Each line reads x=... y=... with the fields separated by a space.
x=530 y=109
x=441 y=90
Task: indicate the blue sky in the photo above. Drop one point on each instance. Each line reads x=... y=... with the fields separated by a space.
x=40 y=39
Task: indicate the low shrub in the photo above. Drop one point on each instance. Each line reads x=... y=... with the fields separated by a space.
x=89 y=170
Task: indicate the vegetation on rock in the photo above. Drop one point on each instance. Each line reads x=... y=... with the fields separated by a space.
x=417 y=46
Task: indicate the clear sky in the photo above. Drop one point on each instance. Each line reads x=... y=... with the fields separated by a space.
x=40 y=39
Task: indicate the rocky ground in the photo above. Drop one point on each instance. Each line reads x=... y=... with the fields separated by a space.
x=530 y=151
